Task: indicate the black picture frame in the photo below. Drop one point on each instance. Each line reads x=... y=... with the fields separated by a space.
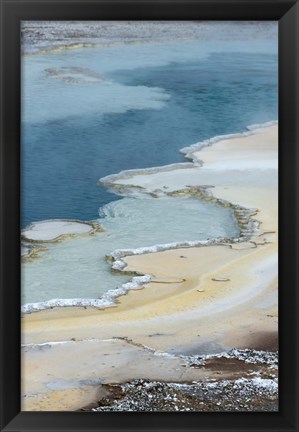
x=287 y=13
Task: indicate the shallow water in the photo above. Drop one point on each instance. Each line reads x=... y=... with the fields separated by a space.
x=91 y=112
x=77 y=268
x=135 y=106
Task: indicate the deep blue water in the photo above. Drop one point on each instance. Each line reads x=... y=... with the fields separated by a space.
x=63 y=159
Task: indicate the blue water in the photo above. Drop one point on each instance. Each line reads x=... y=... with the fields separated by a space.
x=77 y=268
x=75 y=133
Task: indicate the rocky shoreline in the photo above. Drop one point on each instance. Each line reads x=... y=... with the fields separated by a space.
x=256 y=390
x=220 y=296
x=256 y=394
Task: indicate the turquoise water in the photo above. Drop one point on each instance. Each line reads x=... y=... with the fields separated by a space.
x=77 y=268
x=91 y=112
x=135 y=107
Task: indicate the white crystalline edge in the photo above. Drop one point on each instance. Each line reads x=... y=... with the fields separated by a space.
x=120 y=253
x=107 y=300
x=188 y=152
x=152 y=170
x=247 y=355
x=139 y=171
x=51 y=229
x=117 y=254
x=257 y=126
x=53 y=343
x=44 y=344
x=251 y=130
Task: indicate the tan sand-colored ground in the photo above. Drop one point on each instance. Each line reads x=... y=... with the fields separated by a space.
x=203 y=299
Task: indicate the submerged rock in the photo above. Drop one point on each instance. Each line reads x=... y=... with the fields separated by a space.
x=57 y=229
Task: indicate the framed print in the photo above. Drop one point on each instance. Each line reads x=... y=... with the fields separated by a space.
x=149 y=215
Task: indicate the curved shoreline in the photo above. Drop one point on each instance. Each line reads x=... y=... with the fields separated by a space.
x=60 y=235
x=243 y=216
x=220 y=296
x=188 y=152
x=32 y=247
